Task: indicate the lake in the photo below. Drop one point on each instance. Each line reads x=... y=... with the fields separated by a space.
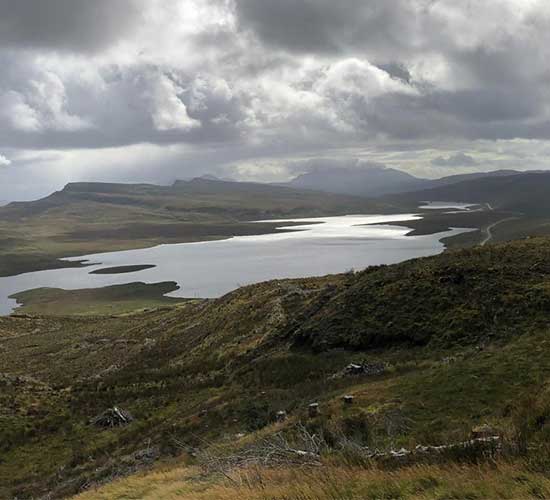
x=315 y=247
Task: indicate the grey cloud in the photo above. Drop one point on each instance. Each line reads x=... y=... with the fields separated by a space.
x=433 y=115
x=488 y=105
x=270 y=79
x=503 y=76
x=331 y=164
x=119 y=106
x=456 y=160
x=4 y=162
x=244 y=90
x=397 y=70
x=325 y=26
x=66 y=25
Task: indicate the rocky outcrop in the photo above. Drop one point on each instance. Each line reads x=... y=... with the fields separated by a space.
x=364 y=368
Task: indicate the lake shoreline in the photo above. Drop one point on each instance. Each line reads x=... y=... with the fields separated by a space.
x=298 y=248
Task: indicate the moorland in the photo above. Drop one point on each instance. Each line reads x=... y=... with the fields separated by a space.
x=429 y=378
x=453 y=342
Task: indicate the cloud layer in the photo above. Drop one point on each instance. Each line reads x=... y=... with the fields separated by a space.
x=456 y=160
x=250 y=87
x=66 y=25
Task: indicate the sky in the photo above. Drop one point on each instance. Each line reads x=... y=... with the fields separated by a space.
x=263 y=90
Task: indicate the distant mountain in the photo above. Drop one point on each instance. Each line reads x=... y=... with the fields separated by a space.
x=528 y=193
x=378 y=181
x=268 y=194
x=228 y=199
x=367 y=182
x=210 y=177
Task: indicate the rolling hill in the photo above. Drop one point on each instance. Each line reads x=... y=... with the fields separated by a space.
x=455 y=179
x=526 y=193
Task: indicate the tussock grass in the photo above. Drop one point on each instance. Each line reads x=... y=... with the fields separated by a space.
x=502 y=481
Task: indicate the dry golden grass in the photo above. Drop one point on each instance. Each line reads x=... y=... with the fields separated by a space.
x=332 y=483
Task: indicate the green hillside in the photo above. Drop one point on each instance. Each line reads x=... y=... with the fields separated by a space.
x=448 y=342
x=117 y=299
x=525 y=193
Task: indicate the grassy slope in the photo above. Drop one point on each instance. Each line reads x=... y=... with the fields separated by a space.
x=473 y=294
x=116 y=299
x=90 y=218
x=205 y=371
x=334 y=483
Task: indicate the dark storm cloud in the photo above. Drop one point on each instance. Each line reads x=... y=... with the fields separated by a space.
x=326 y=26
x=66 y=25
x=488 y=104
x=397 y=70
x=492 y=80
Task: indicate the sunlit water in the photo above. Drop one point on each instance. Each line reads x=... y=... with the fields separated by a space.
x=210 y=269
x=444 y=205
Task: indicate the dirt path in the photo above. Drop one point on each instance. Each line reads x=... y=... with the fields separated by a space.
x=489 y=230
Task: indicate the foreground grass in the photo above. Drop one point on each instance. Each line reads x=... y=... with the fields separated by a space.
x=503 y=481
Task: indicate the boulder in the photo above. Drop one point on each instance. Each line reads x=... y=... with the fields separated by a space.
x=365 y=368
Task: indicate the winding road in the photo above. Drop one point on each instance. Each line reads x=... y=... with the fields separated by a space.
x=489 y=230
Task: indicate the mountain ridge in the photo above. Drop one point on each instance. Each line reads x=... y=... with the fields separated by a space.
x=524 y=193
x=379 y=181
